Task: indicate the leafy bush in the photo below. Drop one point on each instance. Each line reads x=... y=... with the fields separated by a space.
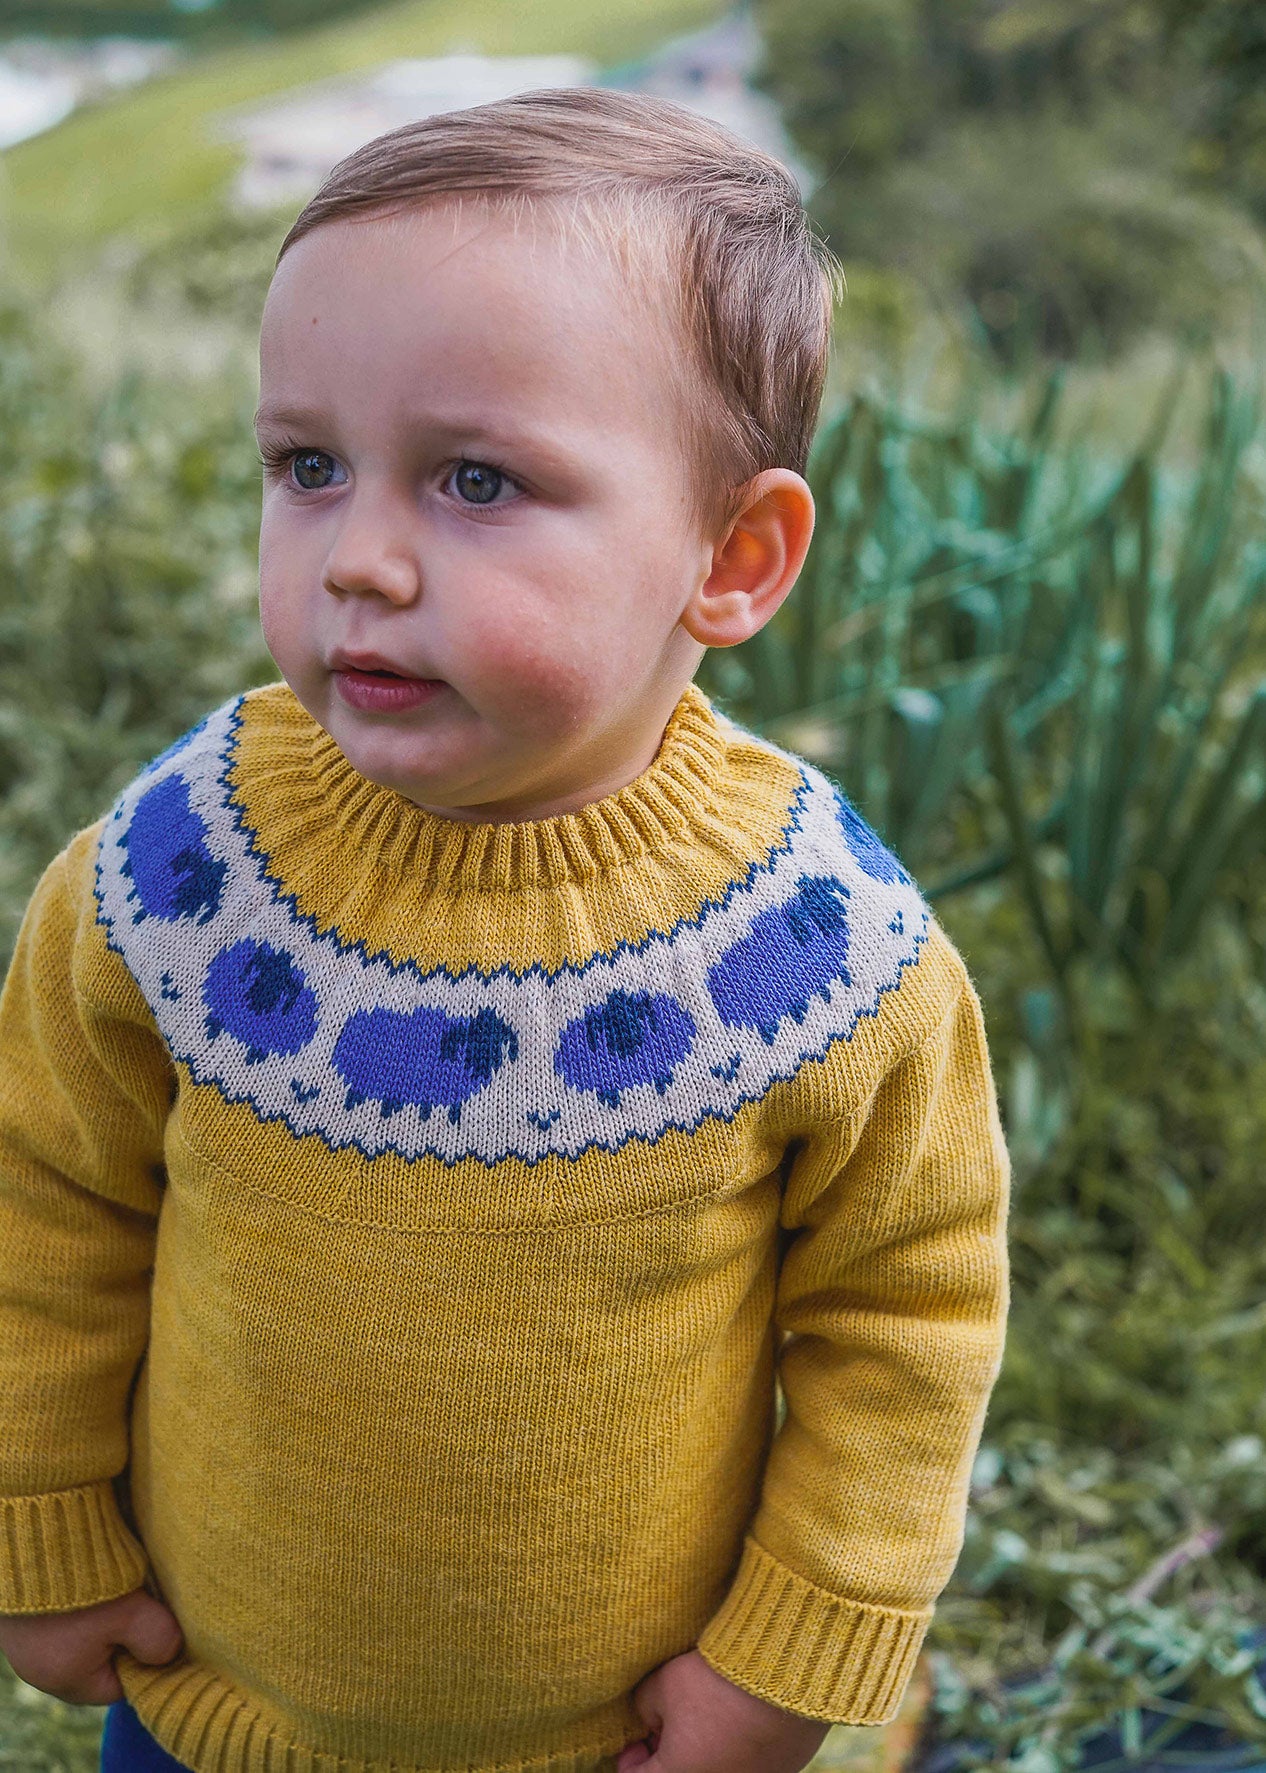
x=128 y=587
x=1115 y=1555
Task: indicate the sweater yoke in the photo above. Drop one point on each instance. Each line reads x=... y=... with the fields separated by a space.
x=631 y=1040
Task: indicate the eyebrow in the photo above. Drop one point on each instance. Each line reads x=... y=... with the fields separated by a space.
x=285 y=415
x=472 y=430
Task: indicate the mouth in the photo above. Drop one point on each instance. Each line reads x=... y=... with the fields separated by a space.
x=375 y=688
x=372 y=667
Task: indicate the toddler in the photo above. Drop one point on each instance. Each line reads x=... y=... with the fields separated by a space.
x=457 y=1089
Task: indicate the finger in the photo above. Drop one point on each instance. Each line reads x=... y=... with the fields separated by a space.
x=153 y=1635
x=103 y=1687
x=646 y=1704
x=636 y=1755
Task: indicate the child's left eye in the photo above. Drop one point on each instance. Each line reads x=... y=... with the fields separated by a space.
x=478 y=483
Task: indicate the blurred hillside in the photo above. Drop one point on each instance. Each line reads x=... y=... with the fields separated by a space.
x=1008 y=180
x=143 y=164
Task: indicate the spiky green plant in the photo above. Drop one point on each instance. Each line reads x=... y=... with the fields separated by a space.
x=1065 y=661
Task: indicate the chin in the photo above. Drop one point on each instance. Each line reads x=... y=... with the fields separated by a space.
x=380 y=758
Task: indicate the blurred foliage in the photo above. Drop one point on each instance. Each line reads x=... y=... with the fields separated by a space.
x=1226 y=41
x=128 y=586
x=40 y=1734
x=217 y=266
x=1066 y=173
x=1035 y=669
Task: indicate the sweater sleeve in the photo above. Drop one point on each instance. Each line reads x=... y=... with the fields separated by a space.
x=84 y=1093
x=892 y=1298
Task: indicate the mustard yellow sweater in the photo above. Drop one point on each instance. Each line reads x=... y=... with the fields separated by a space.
x=404 y=1223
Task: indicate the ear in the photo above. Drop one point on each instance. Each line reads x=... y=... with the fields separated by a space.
x=756 y=561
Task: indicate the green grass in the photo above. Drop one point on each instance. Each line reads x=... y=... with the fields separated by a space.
x=139 y=158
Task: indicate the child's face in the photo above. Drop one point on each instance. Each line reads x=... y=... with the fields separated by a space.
x=483 y=485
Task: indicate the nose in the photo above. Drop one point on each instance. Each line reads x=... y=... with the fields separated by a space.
x=374 y=551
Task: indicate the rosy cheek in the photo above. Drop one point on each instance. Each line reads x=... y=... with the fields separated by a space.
x=538 y=688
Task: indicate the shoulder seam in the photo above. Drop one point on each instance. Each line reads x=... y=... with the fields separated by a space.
x=959 y=967
x=934 y=1034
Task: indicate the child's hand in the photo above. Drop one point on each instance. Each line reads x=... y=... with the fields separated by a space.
x=701 y=1723
x=70 y=1655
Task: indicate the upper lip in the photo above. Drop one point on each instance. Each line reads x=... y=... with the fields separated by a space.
x=342 y=660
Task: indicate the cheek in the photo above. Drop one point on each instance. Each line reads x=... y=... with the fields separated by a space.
x=540 y=679
x=275 y=618
x=271 y=578
x=286 y=629
x=276 y=638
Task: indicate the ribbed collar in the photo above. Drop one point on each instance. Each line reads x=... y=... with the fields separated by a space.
x=299 y=792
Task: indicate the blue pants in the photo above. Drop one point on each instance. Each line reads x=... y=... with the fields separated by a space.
x=128 y=1747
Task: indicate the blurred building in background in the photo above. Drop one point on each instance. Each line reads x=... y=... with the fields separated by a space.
x=291 y=142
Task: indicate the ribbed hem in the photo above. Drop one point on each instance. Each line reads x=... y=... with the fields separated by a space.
x=791 y=1643
x=314 y=792
x=207 y=1725
x=66 y=1549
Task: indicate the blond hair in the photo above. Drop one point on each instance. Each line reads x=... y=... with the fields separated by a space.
x=678 y=198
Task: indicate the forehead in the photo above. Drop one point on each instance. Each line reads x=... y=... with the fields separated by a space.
x=527 y=309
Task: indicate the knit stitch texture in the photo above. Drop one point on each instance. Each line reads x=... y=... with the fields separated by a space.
x=407 y=1227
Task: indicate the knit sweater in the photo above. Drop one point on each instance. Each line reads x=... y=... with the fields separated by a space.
x=458 y=1267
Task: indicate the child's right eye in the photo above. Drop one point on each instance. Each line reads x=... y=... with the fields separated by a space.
x=276 y=460
x=311 y=461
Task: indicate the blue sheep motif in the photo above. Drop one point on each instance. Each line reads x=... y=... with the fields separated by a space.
x=172 y=871
x=421 y=1057
x=630 y=1038
x=259 y=995
x=791 y=953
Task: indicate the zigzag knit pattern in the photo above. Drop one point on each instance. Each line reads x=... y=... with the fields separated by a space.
x=688 y=1024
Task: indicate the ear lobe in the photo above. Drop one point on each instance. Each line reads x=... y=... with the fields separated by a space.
x=756 y=561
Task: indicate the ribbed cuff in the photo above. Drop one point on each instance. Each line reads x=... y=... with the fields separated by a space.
x=808 y=1651
x=66 y=1549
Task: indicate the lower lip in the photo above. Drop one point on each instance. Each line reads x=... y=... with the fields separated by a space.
x=385 y=695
